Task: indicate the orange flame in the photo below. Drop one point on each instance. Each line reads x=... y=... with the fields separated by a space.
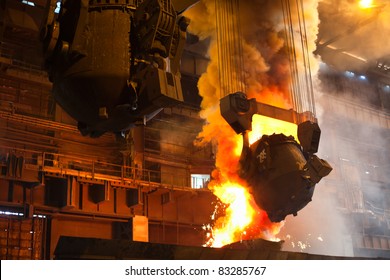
x=366 y=4
x=242 y=218
x=267 y=78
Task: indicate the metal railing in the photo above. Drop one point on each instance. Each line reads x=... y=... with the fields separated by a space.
x=7 y=50
x=92 y=169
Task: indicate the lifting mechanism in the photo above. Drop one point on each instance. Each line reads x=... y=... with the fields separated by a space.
x=114 y=63
x=281 y=172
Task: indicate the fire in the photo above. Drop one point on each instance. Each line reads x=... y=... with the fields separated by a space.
x=239 y=214
x=262 y=125
x=267 y=79
x=366 y=4
x=242 y=218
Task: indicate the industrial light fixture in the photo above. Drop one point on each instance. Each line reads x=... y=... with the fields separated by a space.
x=58 y=8
x=32 y=4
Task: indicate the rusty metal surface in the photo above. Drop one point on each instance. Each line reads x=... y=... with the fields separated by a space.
x=21 y=239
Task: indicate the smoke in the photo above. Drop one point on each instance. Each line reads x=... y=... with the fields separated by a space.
x=353 y=199
x=266 y=66
x=326 y=225
x=355 y=31
x=266 y=63
x=266 y=60
x=216 y=131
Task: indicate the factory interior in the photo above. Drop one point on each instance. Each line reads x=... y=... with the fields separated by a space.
x=115 y=142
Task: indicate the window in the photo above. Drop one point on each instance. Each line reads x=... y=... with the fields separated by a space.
x=199 y=181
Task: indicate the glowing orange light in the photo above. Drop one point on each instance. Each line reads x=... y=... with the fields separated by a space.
x=366 y=4
x=239 y=214
x=262 y=125
x=243 y=219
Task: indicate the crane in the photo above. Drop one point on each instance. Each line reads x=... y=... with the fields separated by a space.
x=114 y=63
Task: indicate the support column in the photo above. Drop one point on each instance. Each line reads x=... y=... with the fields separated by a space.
x=138 y=134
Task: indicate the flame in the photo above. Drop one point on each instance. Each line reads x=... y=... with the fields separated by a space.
x=366 y=4
x=239 y=214
x=237 y=217
x=242 y=218
x=262 y=125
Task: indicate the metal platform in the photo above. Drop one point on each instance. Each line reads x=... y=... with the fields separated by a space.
x=78 y=248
